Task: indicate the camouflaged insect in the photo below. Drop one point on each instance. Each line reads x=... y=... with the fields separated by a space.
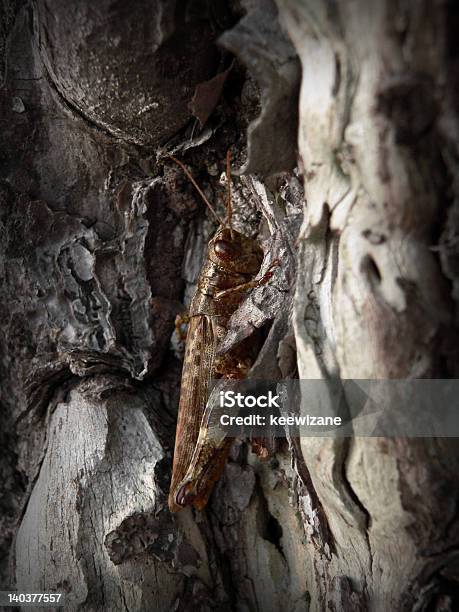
x=232 y=263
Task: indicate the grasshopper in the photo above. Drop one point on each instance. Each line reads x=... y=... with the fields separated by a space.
x=231 y=265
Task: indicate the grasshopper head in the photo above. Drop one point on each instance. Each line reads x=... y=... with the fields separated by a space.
x=235 y=252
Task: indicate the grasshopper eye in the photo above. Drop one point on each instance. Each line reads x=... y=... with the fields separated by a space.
x=225 y=249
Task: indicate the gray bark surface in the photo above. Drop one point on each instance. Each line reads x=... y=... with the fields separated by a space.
x=375 y=298
x=342 y=120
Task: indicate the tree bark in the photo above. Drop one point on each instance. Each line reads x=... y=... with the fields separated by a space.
x=103 y=242
x=373 y=299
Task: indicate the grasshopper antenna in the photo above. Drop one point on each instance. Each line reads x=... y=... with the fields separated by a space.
x=201 y=193
x=228 y=180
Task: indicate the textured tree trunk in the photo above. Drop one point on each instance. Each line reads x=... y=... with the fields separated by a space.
x=103 y=239
x=375 y=289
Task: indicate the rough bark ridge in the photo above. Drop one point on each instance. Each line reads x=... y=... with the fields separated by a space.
x=102 y=243
x=375 y=300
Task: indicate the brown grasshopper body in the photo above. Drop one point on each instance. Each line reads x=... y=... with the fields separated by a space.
x=232 y=263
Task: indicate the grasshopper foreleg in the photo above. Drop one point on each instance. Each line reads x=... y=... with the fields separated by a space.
x=250 y=284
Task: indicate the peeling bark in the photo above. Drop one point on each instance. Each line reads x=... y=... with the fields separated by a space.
x=103 y=240
x=372 y=299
